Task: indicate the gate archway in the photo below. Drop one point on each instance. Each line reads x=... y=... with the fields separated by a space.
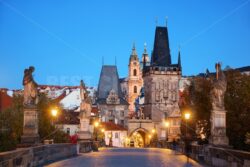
x=139 y=138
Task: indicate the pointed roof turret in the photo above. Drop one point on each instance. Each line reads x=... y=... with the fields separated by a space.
x=145 y=57
x=134 y=50
x=161 y=52
x=109 y=80
x=133 y=55
x=145 y=48
x=179 y=59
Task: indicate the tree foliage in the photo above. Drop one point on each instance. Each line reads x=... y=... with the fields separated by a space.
x=237 y=104
x=47 y=129
x=11 y=123
x=197 y=101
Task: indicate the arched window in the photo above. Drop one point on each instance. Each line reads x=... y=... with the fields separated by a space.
x=135 y=89
x=135 y=72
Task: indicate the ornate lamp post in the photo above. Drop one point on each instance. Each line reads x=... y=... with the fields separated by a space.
x=187 y=117
x=54 y=113
x=167 y=126
x=96 y=124
x=150 y=137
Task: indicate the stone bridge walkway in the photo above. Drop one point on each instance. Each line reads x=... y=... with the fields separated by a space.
x=128 y=157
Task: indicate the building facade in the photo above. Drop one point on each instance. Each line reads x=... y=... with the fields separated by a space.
x=110 y=100
x=135 y=81
x=161 y=88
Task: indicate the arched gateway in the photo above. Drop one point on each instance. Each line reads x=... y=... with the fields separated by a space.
x=139 y=138
x=139 y=132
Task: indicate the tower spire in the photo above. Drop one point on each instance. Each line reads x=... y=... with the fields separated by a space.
x=133 y=55
x=161 y=51
x=145 y=48
x=179 y=58
x=134 y=50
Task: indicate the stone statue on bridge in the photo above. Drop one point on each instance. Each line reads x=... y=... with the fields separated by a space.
x=218 y=114
x=86 y=104
x=84 y=116
x=30 y=93
x=219 y=88
x=30 y=121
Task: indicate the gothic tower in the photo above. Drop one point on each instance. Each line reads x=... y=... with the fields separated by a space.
x=135 y=81
x=161 y=87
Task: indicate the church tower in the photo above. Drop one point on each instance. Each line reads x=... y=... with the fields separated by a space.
x=135 y=81
x=161 y=87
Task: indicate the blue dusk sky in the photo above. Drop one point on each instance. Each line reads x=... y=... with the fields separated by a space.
x=65 y=40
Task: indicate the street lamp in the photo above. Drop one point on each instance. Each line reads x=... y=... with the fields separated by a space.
x=187 y=117
x=149 y=136
x=126 y=142
x=167 y=126
x=54 y=113
x=96 y=124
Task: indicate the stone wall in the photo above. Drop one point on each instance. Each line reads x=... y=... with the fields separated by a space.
x=37 y=156
x=220 y=157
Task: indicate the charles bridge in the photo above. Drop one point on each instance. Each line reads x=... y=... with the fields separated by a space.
x=32 y=153
x=68 y=155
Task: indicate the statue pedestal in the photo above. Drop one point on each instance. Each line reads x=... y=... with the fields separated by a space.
x=30 y=127
x=84 y=133
x=84 y=136
x=218 y=128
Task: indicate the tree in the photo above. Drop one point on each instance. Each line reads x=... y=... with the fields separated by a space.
x=47 y=129
x=197 y=100
x=11 y=123
x=237 y=104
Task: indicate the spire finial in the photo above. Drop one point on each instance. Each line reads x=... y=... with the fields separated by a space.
x=179 y=58
x=133 y=49
x=145 y=48
x=166 y=20
x=134 y=45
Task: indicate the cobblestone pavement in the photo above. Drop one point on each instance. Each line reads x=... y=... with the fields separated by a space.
x=128 y=157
